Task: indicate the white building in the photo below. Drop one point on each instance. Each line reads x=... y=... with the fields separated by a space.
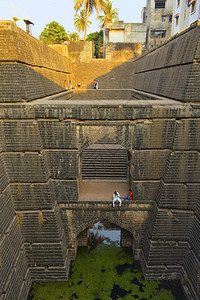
x=120 y=32
x=185 y=13
x=159 y=22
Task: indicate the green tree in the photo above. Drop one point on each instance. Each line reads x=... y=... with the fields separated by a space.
x=73 y=36
x=97 y=39
x=88 y=6
x=80 y=21
x=53 y=33
x=110 y=14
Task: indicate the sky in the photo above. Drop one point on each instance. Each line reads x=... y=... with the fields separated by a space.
x=42 y=12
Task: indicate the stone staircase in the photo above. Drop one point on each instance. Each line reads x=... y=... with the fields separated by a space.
x=102 y=94
x=104 y=162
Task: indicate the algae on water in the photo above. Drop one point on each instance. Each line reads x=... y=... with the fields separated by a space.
x=105 y=273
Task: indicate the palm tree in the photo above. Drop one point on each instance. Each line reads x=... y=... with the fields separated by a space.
x=80 y=21
x=88 y=6
x=110 y=14
x=94 y=240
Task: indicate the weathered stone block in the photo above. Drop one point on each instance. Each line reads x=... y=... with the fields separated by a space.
x=187 y=135
x=166 y=272
x=44 y=255
x=26 y=167
x=32 y=196
x=10 y=248
x=195 y=237
x=172 y=225
x=197 y=211
x=66 y=191
x=183 y=167
x=39 y=227
x=62 y=164
x=50 y=274
x=7 y=211
x=192 y=267
x=166 y=253
x=80 y=51
x=12 y=92
x=149 y=164
x=145 y=190
x=19 y=136
x=20 y=273
x=58 y=135
x=4 y=180
x=179 y=196
x=157 y=134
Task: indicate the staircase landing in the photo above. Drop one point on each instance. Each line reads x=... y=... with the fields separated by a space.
x=101 y=191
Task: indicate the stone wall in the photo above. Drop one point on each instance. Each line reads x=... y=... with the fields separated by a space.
x=62 y=49
x=41 y=146
x=41 y=143
x=80 y=51
x=29 y=69
x=15 y=276
x=173 y=69
x=109 y=74
x=173 y=209
x=122 y=51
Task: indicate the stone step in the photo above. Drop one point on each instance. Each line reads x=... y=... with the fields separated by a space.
x=104 y=178
x=89 y=172
x=104 y=154
x=105 y=151
x=104 y=161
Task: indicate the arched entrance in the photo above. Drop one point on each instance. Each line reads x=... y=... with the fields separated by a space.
x=109 y=232
x=105 y=167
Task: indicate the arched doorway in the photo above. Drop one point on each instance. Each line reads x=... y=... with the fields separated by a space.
x=105 y=167
x=110 y=233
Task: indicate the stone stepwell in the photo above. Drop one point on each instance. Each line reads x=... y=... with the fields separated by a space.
x=41 y=146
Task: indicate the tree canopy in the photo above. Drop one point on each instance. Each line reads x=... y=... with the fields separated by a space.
x=73 y=36
x=53 y=33
x=97 y=38
x=80 y=21
x=88 y=6
x=110 y=14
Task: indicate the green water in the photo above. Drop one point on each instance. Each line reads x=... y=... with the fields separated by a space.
x=106 y=273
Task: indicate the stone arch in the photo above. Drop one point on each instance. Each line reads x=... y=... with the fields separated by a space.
x=89 y=134
x=114 y=220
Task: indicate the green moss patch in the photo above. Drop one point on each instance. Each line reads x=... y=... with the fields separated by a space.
x=108 y=272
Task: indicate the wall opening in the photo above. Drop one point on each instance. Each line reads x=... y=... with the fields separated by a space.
x=105 y=167
x=104 y=233
x=104 y=161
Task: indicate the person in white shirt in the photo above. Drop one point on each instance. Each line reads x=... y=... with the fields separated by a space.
x=116 y=198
